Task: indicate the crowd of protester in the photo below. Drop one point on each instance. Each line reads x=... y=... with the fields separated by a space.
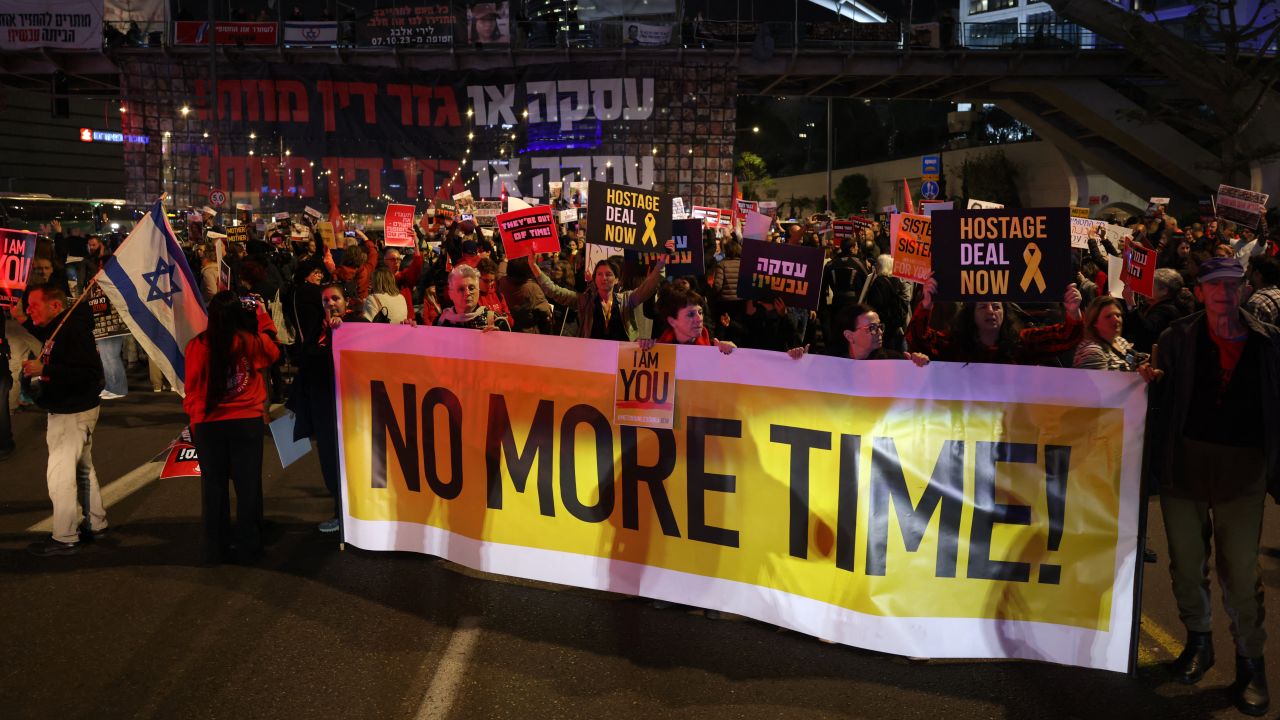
x=275 y=301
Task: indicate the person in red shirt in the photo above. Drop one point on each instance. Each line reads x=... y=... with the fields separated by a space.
x=490 y=296
x=226 y=401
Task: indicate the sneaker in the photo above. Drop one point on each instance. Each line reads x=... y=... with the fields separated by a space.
x=49 y=546
x=332 y=525
x=108 y=395
x=157 y=389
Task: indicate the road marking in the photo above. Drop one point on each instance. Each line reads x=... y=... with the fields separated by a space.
x=449 y=671
x=116 y=490
x=1161 y=636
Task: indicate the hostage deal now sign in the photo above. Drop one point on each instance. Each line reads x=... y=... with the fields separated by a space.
x=627 y=217
x=947 y=511
x=989 y=255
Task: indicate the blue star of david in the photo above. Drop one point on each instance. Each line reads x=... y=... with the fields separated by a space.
x=163 y=274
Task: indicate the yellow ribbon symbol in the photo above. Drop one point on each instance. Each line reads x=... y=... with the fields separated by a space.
x=1031 y=255
x=650 y=237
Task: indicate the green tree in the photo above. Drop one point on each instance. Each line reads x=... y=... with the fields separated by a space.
x=991 y=176
x=753 y=176
x=852 y=194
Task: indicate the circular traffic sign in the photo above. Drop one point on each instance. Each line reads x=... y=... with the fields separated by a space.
x=929 y=190
x=217 y=198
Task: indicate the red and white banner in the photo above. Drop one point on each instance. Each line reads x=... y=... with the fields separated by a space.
x=196 y=32
x=397 y=226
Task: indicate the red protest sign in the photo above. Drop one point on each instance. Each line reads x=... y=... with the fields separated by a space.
x=181 y=460
x=841 y=230
x=528 y=231
x=1140 y=269
x=397 y=226
x=709 y=216
x=17 y=251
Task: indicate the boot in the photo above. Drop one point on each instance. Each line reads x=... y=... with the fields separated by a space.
x=1250 y=688
x=1195 y=660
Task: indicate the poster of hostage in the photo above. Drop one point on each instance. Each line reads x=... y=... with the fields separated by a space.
x=627 y=217
x=988 y=255
x=17 y=251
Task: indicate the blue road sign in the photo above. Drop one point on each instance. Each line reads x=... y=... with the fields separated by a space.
x=931 y=166
x=929 y=190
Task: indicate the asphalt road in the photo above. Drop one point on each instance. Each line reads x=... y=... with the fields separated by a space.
x=131 y=627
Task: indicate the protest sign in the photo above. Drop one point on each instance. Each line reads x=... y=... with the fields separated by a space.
x=1159 y=201
x=645 y=390
x=568 y=216
x=1238 y=205
x=408 y=25
x=397 y=226
x=1115 y=275
x=324 y=229
x=742 y=207
x=486 y=212
x=790 y=272
x=769 y=207
x=17 y=252
x=688 y=257
x=1018 y=255
x=488 y=23
x=966 y=541
x=841 y=230
x=464 y=202
x=709 y=216
x=287 y=449
x=1140 y=269
x=982 y=205
x=628 y=217
x=528 y=231
x=756 y=226
x=446 y=212
x=106 y=321
x=1078 y=212
x=197 y=32
x=238 y=233
x=61 y=24
x=1082 y=228
x=181 y=459
x=862 y=222
x=911 y=239
x=933 y=206
x=677 y=209
x=312 y=212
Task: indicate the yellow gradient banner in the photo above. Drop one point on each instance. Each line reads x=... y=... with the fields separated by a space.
x=901 y=505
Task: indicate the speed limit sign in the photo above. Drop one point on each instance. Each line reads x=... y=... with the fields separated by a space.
x=217 y=198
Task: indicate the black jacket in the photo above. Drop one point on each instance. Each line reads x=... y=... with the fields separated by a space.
x=1170 y=398
x=72 y=376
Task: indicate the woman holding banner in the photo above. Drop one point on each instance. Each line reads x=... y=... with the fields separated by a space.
x=984 y=333
x=226 y=401
x=861 y=328
x=605 y=311
x=682 y=313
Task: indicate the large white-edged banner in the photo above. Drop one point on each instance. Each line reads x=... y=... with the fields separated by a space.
x=66 y=24
x=977 y=511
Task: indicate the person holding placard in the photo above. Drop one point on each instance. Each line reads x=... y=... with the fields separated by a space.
x=605 y=311
x=1213 y=449
x=683 y=315
x=983 y=332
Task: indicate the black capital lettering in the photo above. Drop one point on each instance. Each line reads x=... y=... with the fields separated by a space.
x=945 y=490
x=987 y=512
x=453 y=408
x=653 y=476
x=801 y=440
x=586 y=415
x=500 y=440
x=383 y=423
x=699 y=481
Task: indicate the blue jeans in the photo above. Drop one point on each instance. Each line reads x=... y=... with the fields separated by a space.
x=113 y=364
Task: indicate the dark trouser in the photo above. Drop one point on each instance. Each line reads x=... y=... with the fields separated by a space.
x=326 y=437
x=6 y=382
x=230 y=450
x=1234 y=526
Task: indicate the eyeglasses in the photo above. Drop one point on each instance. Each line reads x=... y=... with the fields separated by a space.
x=873 y=328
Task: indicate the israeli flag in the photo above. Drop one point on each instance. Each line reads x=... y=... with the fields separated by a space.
x=151 y=286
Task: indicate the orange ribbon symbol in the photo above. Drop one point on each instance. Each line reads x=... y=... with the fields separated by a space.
x=1031 y=255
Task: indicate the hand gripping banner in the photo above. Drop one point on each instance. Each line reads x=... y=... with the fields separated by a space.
x=979 y=511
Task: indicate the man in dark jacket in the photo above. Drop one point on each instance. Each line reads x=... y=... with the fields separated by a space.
x=1213 y=446
x=66 y=380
